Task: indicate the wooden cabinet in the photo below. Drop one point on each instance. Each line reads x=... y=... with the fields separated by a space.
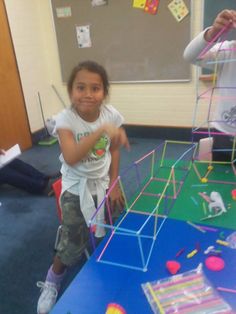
x=14 y=124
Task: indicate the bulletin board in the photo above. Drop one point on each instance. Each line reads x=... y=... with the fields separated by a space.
x=133 y=46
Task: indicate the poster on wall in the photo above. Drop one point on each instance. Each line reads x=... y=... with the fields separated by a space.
x=83 y=36
x=63 y=12
x=178 y=9
x=97 y=3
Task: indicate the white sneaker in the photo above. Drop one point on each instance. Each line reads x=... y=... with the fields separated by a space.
x=47 y=298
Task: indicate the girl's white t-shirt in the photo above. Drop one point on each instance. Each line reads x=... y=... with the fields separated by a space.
x=89 y=176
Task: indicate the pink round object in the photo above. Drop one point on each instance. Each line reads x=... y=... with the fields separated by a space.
x=173 y=267
x=214 y=263
x=233 y=192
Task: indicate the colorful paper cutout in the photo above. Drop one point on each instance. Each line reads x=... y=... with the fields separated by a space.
x=151 y=6
x=178 y=9
x=139 y=4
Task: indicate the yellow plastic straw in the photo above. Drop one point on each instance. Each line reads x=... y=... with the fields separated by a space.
x=156 y=299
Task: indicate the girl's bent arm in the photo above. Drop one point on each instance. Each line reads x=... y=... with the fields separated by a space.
x=115 y=163
x=115 y=197
x=72 y=151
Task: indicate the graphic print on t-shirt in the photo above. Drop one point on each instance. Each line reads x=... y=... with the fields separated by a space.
x=100 y=148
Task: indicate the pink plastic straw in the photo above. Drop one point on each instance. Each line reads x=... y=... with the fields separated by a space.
x=224 y=29
x=226 y=289
x=209 y=228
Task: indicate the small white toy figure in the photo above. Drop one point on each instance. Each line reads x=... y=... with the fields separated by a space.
x=216 y=204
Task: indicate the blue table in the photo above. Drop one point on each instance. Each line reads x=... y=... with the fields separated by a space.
x=99 y=284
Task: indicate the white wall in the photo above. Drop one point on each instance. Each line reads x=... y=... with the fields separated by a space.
x=159 y=104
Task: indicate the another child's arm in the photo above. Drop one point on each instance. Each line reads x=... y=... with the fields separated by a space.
x=196 y=46
x=223 y=19
x=73 y=151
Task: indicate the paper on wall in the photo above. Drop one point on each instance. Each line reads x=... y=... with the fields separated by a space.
x=151 y=6
x=96 y=3
x=139 y=4
x=63 y=12
x=178 y=9
x=83 y=36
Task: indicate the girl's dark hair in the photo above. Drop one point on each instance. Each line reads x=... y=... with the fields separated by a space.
x=93 y=67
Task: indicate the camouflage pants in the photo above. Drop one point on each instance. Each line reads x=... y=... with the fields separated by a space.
x=74 y=235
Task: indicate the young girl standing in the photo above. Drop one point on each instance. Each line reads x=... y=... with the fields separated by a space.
x=90 y=136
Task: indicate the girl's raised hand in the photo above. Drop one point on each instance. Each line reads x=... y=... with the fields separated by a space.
x=117 y=135
x=224 y=18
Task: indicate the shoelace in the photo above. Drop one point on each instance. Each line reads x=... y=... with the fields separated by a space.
x=47 y=286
